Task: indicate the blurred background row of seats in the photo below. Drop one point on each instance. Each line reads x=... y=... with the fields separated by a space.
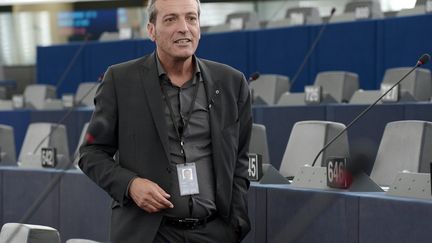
x=343 y=87
x=44 y=97
x=354 y=10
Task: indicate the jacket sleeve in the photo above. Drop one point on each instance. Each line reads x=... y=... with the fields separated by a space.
x=239 y=210
x=96 y=157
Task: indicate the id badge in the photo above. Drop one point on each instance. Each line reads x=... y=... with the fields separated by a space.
x=188 y=180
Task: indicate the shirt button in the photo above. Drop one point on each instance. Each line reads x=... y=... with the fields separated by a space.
x=217 y=91
x=181 y=151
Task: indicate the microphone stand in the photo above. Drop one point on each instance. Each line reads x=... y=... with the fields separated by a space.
x=424 y=59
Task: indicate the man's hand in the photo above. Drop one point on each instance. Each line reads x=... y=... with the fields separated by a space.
x=149 y=196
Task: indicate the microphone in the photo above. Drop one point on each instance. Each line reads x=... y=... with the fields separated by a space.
x=312 y=48
x=423 y=60
x=254 y=76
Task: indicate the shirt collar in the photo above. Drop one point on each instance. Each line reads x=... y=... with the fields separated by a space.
x=164 y=77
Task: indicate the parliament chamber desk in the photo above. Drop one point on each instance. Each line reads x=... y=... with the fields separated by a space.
x=278 y=213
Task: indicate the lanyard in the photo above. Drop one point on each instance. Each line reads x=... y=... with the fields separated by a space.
x=188 y=116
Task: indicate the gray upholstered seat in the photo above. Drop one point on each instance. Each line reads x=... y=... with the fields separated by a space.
x=43 y=135
x=310 y=15
x=258 y=143
x=405 y=145
x=7 y=145
x=268 y=88
x=339 y=85
x=365 y=97
x=242 y=20
x=373 y=8
x=35 y=95
x=81 y=241
x=289 y=99
x=417 y=10
x=417 y=86
x=28 y=233
x=85 y=94
x=307 y=139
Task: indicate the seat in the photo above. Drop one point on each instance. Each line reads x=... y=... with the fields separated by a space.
x=85 y=94
x=365 y=97
x=81 y=241
x=338 y=85
x=291 y=99
x=7 y=145
x=405 y=145
x=364 y=9
x=307 y=139
x=268 y=88
x=417 y=86
x=28 y=233
x=303 y=15
x=6 y=105
x=258 y=142
x=242 y=20
x=417 y=10
x=219 y=28
x=44 y=135
x=35 y=95
x=343 y=17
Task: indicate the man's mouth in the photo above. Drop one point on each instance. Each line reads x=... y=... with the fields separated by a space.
x=182 y=41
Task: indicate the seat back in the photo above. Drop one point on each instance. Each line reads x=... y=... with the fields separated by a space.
x=339 y=85
x=28 y=233
x=307 y=139
x=405 y=145
x=373 y=8
x=306 y=15
x=288 y=99
x=7 y=145
x=365 y=97
x=258 y=143
x=268 y=88
x=43 y=135
x=417 y=85
x=242 y=20
x=35 y=95
x=85 y=94
x=81 y=241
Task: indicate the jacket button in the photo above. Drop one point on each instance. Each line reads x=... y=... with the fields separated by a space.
x=168 y=170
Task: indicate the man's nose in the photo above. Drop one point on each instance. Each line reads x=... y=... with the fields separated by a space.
x=183 y=25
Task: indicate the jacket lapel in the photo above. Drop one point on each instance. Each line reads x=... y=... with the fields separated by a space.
x=150 y=81
x=213 y=91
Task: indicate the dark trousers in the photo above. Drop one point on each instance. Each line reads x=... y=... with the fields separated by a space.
x=216 y=231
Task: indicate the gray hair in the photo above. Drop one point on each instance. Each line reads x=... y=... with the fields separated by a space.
x=152 y=11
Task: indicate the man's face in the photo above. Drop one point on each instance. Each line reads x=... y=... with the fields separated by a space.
x=176 y=30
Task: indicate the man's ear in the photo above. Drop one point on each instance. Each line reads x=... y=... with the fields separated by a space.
x=151 y=31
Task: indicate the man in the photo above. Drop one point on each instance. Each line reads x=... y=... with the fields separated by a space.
x=166 y=113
